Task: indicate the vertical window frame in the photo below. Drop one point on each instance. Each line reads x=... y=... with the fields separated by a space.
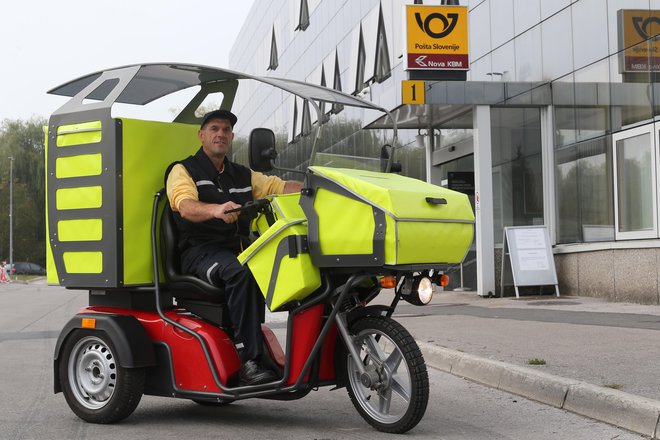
x=652 y=131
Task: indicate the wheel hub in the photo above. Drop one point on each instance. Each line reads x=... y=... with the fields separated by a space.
x=371 y=379
x=95 y=374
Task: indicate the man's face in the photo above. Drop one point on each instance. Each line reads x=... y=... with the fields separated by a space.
x=216 y=137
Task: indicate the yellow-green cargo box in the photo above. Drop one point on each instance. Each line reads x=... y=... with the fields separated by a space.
x=279 y=259
x=101 y=177
x=364 y=219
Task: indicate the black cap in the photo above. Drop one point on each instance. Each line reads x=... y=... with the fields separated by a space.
x=219 y=114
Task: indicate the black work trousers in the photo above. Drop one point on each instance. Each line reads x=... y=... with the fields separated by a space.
x=220 y=267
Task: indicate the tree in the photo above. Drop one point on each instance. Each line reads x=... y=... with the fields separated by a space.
x=24 y=141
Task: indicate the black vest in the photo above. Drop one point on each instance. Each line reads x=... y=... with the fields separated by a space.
x=233 y=184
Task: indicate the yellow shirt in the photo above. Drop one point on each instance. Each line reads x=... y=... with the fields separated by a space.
x=180 y=186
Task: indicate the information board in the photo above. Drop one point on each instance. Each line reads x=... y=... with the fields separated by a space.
x=528 y=252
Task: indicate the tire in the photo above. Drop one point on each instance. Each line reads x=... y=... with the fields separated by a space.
x=96 y=387
x=396 y=392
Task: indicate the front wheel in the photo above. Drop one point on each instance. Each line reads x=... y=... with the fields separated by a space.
x=96 y=387
x=393 y=393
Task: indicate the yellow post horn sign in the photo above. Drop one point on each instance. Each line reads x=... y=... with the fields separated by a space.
x=437 y=37
x=638 y=30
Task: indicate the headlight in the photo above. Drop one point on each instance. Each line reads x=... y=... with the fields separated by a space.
x=425 y=290
x=418 y=291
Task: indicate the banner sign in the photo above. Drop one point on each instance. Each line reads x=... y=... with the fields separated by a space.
x=638 y=39
x=437 y=38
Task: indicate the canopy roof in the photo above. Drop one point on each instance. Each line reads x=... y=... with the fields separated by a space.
x=153 y=81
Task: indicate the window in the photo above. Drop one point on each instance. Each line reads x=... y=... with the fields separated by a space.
x=273 y=53
x=322 y=103
x=634 y=183
x=303 y=18
x=361 y=60
x=383 y=69
x=306 y=119
x=294 y=122
x=336 y=108
x=517 y=168
x=584 y=192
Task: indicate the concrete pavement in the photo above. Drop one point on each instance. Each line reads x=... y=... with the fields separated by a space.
x=598 y=359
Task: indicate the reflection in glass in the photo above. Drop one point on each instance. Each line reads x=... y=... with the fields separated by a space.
x=517 y=168
x=584 y=192
x=634 y=172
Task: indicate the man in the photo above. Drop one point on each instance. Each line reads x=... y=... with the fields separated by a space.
x=201 y=189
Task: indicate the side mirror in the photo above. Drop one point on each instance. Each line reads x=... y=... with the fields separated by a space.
x=261 y=149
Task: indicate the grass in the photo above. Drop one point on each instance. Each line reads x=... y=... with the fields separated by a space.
x=536 y=361
x=614 y=386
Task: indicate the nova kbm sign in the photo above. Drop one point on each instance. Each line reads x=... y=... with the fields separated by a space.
x=437 y=37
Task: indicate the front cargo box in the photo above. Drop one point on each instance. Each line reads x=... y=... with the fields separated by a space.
x=362 y=219
x=280 y=262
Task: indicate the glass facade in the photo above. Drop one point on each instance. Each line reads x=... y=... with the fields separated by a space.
x=603 y=78
x=517 y=168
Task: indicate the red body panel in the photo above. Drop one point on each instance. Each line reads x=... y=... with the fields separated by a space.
x=327 y=367
x=305 y=331
x=191 y=370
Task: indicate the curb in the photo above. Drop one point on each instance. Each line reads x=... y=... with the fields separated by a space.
x=628 y=411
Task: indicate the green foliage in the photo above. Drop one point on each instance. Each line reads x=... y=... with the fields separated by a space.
x=536 y=361
x=24 y=141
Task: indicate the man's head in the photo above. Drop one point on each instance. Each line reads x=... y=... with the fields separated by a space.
x=216 y=133
x=219 y=114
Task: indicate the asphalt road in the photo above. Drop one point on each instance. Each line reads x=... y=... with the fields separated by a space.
x=32 y=315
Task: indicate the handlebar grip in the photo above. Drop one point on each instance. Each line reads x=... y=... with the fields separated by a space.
x=436 y=201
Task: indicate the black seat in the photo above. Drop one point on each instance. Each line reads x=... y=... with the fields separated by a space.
x=193 y=294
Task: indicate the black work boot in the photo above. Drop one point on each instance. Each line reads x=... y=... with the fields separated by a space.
x=254 y=374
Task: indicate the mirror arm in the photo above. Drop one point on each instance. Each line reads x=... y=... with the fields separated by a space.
x=289 y=170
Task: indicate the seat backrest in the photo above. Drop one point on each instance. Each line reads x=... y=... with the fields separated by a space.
x=169 y=240
x=181 y=285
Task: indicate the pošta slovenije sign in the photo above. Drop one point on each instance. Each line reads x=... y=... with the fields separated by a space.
x=637 y=38
x=437 y=37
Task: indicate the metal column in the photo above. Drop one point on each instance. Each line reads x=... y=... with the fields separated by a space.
x=483 y=181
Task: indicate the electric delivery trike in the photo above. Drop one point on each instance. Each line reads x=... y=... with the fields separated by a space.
x=322 y=256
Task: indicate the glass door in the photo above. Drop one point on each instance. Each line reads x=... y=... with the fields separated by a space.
x=635 y=190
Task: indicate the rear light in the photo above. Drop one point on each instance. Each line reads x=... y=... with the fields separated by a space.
x=443 y=280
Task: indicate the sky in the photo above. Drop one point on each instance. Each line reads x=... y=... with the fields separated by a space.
x=45 y=43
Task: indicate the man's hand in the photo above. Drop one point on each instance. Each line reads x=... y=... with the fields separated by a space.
x=195 y=211
x=221 y=212
x=292 y=186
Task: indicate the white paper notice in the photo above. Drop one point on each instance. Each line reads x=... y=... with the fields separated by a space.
x=533 y=260
x=530 y=238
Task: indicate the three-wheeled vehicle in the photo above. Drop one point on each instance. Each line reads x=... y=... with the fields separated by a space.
x=322 y=256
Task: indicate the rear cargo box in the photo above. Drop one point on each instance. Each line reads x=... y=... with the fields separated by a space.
x=101 y=176
x=363 y=219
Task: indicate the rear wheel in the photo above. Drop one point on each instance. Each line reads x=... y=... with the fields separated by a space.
x=393 y=393
x=95 y=386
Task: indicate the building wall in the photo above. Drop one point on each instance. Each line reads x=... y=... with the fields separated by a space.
x=621 y=275
x=572 y=45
